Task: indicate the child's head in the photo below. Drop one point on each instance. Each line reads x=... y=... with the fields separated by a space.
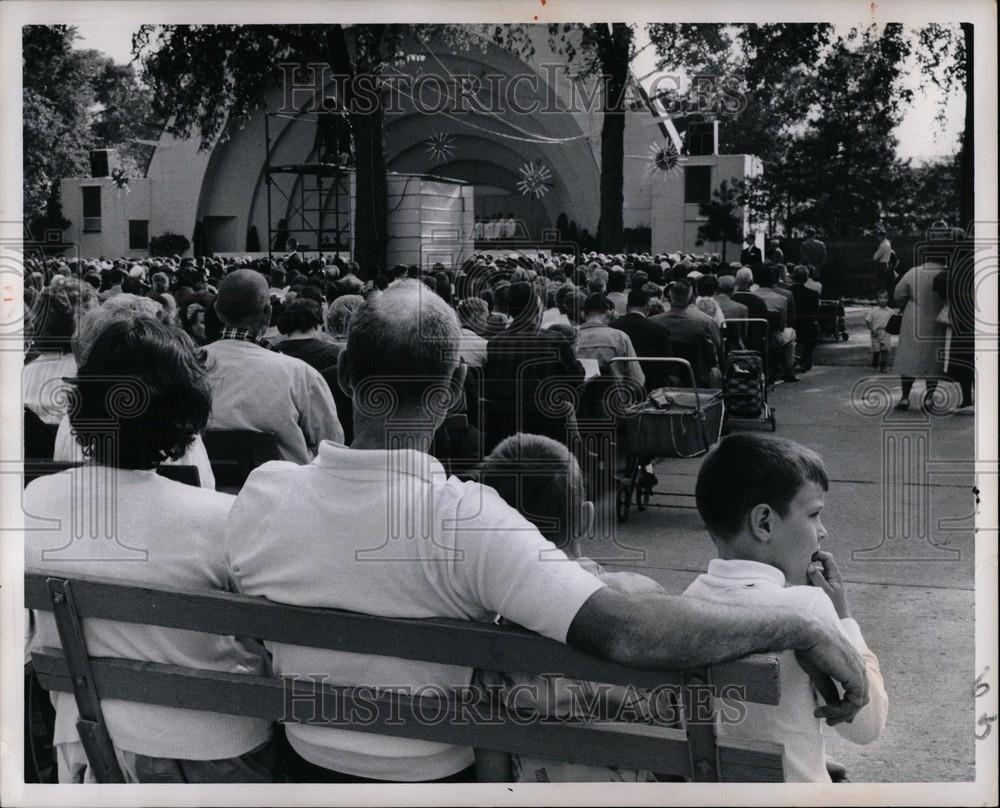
x=883 y=299
x=761 y=499
x=539 y=478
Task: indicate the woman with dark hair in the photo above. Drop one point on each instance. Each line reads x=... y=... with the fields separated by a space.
x=299 y=322
x=141 y=397
x=123 y=307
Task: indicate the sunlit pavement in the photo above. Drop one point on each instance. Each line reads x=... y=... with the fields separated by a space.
x=899 y=516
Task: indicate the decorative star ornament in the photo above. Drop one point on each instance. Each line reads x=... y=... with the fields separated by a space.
x=664 y=159
x=441 y=147
x=534 y=180
x=120 y=179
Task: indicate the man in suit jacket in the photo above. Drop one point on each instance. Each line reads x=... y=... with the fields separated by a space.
x=693 y=334
x=648 y=338
x=750 y=256
x=806 y=314
x=814 y=253
x=529 y=374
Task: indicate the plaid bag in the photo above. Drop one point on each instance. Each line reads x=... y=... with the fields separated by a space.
x=743 y=383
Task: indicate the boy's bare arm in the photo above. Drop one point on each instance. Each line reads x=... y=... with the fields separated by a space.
x=669 y=632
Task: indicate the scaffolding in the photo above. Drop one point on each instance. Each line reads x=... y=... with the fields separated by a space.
x=313 y=208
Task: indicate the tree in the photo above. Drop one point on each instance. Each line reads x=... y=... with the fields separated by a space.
x=168 y=244
x=945 y=56
x=74 y=101
x=57 y=94
x=604 y=51
x=851 y=144
x=721 y=222
x=600 y=52
x=923 y=194
x=817 y=105
x=123 y=117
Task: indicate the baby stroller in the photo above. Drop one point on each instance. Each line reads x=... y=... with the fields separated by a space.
x=669 y=422
x=744 y=379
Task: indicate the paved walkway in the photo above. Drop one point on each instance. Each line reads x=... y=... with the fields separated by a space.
x=900 y=516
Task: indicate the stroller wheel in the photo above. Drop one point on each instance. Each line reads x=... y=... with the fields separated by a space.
x=843 y=337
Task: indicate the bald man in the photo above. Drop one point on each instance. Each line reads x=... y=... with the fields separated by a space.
x=379 y=528
x=257 y=389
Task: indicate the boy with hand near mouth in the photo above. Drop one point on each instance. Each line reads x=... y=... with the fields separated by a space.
x=761 y=499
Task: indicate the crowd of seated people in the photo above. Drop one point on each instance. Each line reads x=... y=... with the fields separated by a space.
x=273 y=329
x=373 y=390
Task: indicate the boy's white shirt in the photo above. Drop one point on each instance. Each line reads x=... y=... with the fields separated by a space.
x=792 y=723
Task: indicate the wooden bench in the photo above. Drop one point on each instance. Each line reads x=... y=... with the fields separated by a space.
x=181 y=473
x=692 y=752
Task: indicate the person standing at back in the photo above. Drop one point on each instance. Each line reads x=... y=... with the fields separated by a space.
x=806 y=322
x=750 y=256
x=814 y=253
x=921 y=348
x=884 y=276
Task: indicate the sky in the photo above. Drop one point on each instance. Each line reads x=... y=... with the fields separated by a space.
x=920 y=137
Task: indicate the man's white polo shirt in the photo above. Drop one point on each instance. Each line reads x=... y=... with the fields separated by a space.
x=388 y=533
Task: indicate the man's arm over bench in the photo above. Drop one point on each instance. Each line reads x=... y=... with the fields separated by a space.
x=667 y=632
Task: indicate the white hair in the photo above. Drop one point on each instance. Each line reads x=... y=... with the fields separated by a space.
x=120 y=307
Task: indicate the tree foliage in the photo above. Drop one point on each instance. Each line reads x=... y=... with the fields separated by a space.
x=168 y=244
x=819 y=106
x=74 y=101
x=722 y=224
x=923 y=194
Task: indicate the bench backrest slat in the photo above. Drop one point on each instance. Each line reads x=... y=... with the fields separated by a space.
x=454 y=642
x=475 y=725
x=464 y=718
